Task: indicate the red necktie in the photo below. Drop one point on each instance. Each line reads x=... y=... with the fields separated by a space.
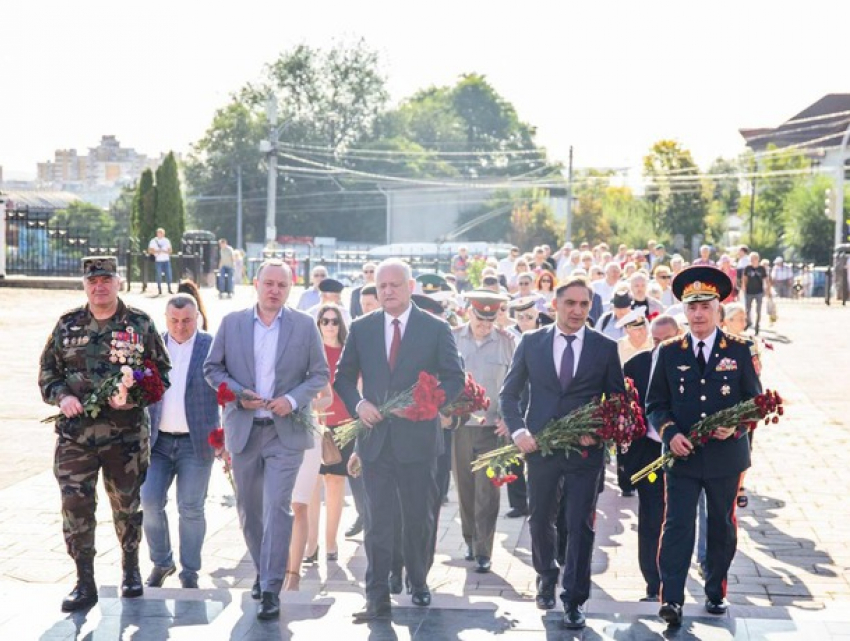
x=396 y=344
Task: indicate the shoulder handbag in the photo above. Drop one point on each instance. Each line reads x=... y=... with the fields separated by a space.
x=330 y=451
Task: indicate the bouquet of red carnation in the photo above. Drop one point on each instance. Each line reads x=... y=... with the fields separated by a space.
x=472 y=399
x=613 y=420
x=141 y=387
x=746 y=414
x=421 y=402
x=225 y=395
x=216 y=441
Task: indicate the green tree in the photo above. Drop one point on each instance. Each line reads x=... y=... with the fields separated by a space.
x=144 y=209
x=121 y=211
x=809 y=231
x=533 y=223
x=676 y=191
x=170 y=214
x=85 y=217
x=629 y=218
x=775 y=182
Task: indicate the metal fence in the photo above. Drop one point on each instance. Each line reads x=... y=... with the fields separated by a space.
x=37 y=247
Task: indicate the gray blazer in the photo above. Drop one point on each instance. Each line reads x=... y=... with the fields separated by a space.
x=301 y=372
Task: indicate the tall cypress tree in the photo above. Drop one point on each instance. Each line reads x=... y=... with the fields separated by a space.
x=170 y=213
x=144 y=210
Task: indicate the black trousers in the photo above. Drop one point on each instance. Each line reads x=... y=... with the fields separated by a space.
x=677 y=539
x=406 y=490
x=517 y=491
x=444 y=465
x=581 y=490
x=650 y=520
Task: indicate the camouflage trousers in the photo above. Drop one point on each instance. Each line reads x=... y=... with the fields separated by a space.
x=124 y=463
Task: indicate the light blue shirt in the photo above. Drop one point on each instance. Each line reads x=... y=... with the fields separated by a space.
x=265 y=353
x=310 y=297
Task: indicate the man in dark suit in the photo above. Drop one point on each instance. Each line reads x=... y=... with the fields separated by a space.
x=641 y=453
x=180 y=427
x=565 y=366
x=388 y=350
x=701 y=373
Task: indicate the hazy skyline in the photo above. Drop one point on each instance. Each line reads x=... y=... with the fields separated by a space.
x=608 y=78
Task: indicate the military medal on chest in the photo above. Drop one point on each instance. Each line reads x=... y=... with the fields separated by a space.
x=126 y=347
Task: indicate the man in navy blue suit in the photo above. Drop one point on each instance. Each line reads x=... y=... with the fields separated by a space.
x=699 y=374
x=387 y=350
x=565 y=366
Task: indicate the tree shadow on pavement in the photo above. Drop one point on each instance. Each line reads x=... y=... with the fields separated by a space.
x=802 y=553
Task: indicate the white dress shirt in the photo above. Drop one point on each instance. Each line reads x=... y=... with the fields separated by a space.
x=709 y=345
x=388 y=327
x=560 y=344
x=174 y=400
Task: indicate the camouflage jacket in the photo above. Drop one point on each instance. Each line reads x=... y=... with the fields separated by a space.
x=80 y=354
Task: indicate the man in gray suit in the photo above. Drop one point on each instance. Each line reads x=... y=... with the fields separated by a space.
x=272 y=358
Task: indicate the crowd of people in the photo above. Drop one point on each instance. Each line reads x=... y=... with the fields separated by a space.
x=543 y=333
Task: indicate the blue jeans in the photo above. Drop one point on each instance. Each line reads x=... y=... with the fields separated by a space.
x=174 y=456
x=225 y=280
x=163 y=269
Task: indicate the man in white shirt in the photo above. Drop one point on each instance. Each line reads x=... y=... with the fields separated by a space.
x=506 y=265
x=160 y=249
x=310 y=297
x=605 y=288
x=180 y=428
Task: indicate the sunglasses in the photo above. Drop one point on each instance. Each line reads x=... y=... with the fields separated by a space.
x=663 y=277
x=329 y=321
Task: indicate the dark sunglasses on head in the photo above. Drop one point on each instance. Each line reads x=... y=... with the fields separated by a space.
x=329 y=321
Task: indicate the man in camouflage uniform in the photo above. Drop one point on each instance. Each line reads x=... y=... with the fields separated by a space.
x=87 y=346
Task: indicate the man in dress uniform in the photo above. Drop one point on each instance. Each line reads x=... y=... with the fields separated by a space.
x=641 y=453
x=696 y=375
x=487 y=353
x=87 y=346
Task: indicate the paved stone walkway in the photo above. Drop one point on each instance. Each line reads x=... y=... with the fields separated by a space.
x=790 y=578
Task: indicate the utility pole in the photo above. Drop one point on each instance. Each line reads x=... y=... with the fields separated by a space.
x=239 y=207
x=271 y=230
x=569 y=230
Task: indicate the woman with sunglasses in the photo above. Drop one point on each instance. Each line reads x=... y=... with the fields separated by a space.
x=545 y=286
x=334 y=332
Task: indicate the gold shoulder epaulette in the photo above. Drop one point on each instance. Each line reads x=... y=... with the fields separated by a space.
x=670 y=341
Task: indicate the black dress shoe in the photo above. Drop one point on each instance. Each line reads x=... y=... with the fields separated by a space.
x=189 y=582
x=469 y=554
x=545 y=599
x=374 y=610
x=716 y=607
x=482 y=564
x=421 y=596
x=269 y=607
x=355 y=529
x=650 y=597
x=313 y=558
x=396 y=586
x=515 y=513
x=671 y=613
x=158 y=575
x=256 y=592
x=574 y=618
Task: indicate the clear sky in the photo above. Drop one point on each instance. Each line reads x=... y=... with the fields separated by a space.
x=608 y=77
